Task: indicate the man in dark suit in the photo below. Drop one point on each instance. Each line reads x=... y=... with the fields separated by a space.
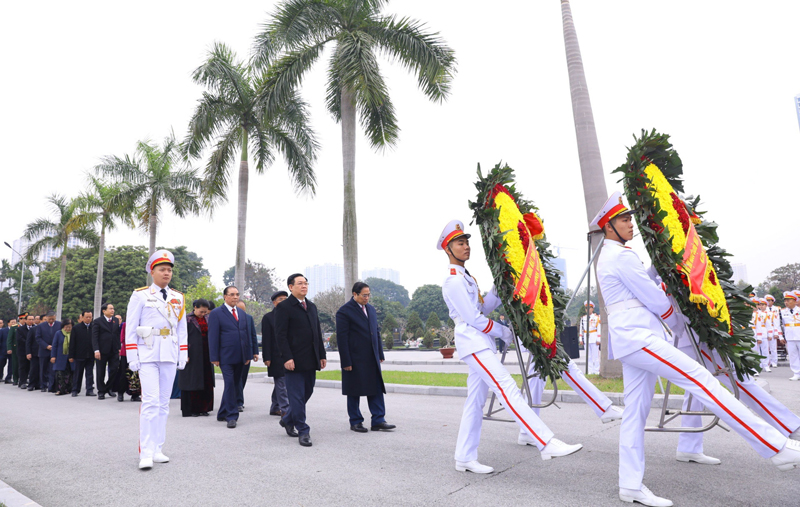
x=44 y=334
x=5 y=354
x=34 y=372
x=106 y=344
x=361 y=353
x=251 y=330
x=229 y=348
x=81 y=354
x=23 y=358
x=299 y=338
x=272 y=358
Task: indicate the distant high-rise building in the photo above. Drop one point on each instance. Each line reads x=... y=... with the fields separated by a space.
x=47 y=254
x=561 y=265
x=324 y=277
x=739 y=273
x=797 y=107
x=387 y=274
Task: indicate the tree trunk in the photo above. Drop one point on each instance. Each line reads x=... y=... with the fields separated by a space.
x=98 y=284
x=350 y=232
x=241 y=226
x=61 y=280
x=153 y=229
x=594 y=183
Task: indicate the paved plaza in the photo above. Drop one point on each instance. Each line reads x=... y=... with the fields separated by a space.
x=63 y=451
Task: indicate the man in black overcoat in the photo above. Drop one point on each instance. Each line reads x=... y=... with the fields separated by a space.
x=81 y=354
x=272 y=358
x=106 y=344
x=361 y=354
x=299 y=337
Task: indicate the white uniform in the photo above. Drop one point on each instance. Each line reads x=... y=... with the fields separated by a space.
x=591 y=340
x=155 y=337
x=790 y=319
x=574 y=378
x=774 y=317
x=763 y=333
x=475 y=345
x=637 y=338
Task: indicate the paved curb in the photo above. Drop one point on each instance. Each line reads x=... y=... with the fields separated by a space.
x=13 y=498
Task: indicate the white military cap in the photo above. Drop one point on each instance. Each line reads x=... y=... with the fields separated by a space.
x=453 y=230
x=612 y=208
x=769 y=296
x=160 y=257
x=589 y=304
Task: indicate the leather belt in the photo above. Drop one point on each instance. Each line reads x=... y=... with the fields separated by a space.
x=792 y=324
x=623 y=306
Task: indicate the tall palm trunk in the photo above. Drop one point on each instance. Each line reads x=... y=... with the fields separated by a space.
x=241 y=226
x=153 y=229
x=594 y=183
x=101 y=255
x=350 y=232
x=61 y=280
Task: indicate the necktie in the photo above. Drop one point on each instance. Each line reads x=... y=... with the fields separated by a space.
x=234 y=314
x=164 y=293
x=365 y=311
x=305 y=307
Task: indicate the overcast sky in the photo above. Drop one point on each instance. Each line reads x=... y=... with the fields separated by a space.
x=87 y=79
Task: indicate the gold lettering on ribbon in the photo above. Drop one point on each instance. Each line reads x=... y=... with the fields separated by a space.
x=695 y=264
x=530 y=279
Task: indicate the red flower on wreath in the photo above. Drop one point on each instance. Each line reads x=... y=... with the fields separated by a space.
x=543 y=295
x=712 y=278
x=496 y=190
x=683 y=215
x=523 y=235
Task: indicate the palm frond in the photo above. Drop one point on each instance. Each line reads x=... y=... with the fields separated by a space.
x=300 y=159
x=217 y=172
x=283 y=77
x=210 y=115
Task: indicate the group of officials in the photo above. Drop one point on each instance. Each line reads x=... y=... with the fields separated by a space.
x=43 y=354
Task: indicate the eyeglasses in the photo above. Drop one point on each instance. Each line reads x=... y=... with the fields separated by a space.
x=367 y=295
x=233 y=294
x=302 y=284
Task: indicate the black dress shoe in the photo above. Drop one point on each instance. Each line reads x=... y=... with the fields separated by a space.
x=8 y=382
x=206 y=414
x=383 y=427
x=136 y=398
x=359 y=428
x=240 y=409
x=231 y=424
x=111 y=393
x=15 y=383
x=90 y=393
x=74 y=395
x=120 y=397
x=305 y=440
x=23 y=386
x=30 y=388
x=289 y=429
x=101 y=396
x=275 y=413
x=195 y=415
x=44 y=389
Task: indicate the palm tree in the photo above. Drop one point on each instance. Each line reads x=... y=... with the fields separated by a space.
x=101 y=204
x=67 y=223
x=151 y=179
x=594 y=183
x=229 y=114
x=293 y=41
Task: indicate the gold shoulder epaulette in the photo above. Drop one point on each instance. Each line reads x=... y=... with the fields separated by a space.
x=141 y=288
x=176 y=290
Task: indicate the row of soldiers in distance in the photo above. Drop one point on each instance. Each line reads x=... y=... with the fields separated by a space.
x=769 y=323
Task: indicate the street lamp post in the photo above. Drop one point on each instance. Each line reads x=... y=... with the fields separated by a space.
x=21 y=277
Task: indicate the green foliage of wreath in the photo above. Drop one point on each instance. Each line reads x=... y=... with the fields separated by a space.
x=737 y=346
x=494 y=243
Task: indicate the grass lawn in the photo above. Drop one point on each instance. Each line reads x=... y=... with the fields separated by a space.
x=421 y=378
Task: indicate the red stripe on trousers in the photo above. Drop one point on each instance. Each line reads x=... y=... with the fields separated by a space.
x=750 y=395
x=584 y=392
x=508 y=404
x=723 y=407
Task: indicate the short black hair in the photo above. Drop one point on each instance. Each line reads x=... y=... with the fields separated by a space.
x=51 y=313
x=225 y=290
x=290 y=280
x=200 y=303
x=358 y=287
x=211 y=304
x=85 y=312
x=104 y=307
x=66 y=322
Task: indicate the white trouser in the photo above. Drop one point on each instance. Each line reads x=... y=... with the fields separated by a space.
x=763 y=350
x=156 y=379
x=751 y=394
x=793 y=350
x=640 y=370
x=773 y=352
x=574 y=378
x=593 y=356
x=486 y=372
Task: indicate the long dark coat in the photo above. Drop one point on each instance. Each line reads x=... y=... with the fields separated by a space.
x=191 y=377
x=360 y=346
x=299 y=334
x=269 y=347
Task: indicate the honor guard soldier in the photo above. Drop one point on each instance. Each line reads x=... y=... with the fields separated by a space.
x=475 y=343
x=790 y=321
x=155 y=343
x=763 y=331
x=590 y=338
x=637 y=309
x=774 y=316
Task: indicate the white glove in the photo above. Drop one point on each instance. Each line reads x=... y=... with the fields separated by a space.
x=181 y=365
x=673 y=321
x=508 y=336
x=134 y=366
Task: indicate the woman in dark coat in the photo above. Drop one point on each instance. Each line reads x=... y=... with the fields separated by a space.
x=59 y=356
x=196 y=381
